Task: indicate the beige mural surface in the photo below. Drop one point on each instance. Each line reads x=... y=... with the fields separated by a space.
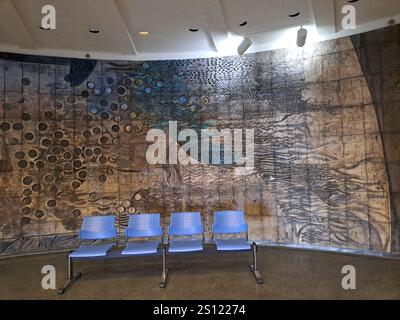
x=73 y=143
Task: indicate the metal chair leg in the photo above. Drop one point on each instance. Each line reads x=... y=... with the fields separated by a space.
x=71 y=277
x=164 y=274
x=253 y=266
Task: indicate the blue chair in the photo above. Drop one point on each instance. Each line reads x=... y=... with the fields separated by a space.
x=93 y=228
x=233 y=222
x=145 y=226
x=185 y=224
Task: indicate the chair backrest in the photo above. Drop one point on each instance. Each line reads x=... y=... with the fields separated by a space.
x=229 y=222
x=185 y=224
x=98 y=227
x=144 y=225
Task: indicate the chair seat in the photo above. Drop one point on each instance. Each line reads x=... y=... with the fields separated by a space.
x=138 y=247
x=232 y=244
x=185 y=245
x=91 y=250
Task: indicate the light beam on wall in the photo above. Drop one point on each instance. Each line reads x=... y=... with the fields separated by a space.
x=231 y=43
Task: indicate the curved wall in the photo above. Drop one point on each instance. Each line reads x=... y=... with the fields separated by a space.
x=73 y=143
x=379 y=53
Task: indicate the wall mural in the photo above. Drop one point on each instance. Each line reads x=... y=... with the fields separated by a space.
x=379 y=53
x=73 y=143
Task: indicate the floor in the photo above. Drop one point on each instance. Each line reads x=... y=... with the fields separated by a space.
x=288 y=274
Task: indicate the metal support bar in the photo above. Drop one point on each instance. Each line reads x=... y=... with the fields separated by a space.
x=70 y=268
x=71 y=277
x=254 y=249
x=164 y=273
x=253 y=266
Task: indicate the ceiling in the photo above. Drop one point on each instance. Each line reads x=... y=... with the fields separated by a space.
x=265 y=22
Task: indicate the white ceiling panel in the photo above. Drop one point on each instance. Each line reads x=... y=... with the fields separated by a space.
x=368 y=11
x=119 y=22
x=168 y=23
x=264 y=14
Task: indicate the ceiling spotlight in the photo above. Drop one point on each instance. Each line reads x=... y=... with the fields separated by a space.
x=243 y=46
x=193 y=29
x=144 y=33
x=293 y=15
x=94 y=30
x=301 y=37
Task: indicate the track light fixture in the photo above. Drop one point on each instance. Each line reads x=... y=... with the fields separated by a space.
x=244 y=45
x=301 y=37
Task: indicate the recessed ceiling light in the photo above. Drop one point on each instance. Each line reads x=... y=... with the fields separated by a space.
x=295 y=14
x=144 y=33
x=352 y=1
x=193 y=29
x=243 y=24
x=94 y=30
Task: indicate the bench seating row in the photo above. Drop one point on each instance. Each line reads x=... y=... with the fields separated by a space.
x=144 y=235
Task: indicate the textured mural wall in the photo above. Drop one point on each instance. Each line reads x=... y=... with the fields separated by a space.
x=379 y=53
x=73 y=143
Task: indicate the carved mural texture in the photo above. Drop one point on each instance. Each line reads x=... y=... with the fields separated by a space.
x=73 y=144
x=379 y=53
